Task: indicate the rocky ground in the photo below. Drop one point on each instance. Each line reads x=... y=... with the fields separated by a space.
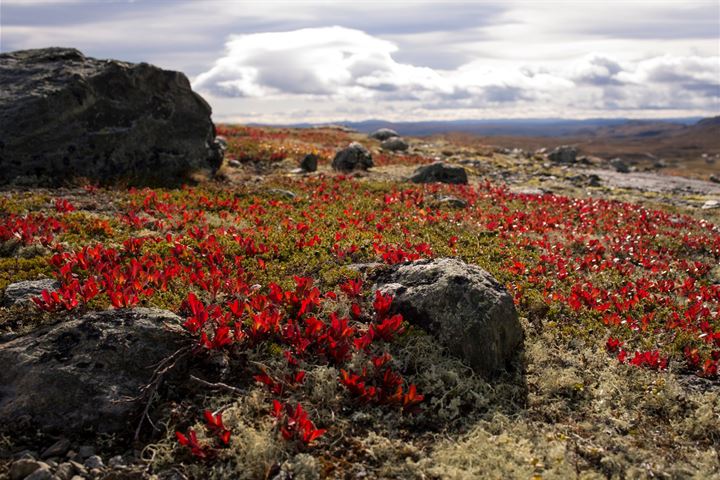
x=558 y=319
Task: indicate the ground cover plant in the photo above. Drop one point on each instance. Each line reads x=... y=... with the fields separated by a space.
x=314 y=378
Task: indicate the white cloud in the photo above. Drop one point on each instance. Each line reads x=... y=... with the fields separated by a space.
x=406 y=59
x=340 y=66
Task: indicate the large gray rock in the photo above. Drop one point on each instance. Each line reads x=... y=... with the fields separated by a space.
x=352 y=157
x=79 y=374
x=23 y=292
x=65 y=116
x=394 y=144
x=462 y=305
x=563 y=154
x=439 y=172
x=383 y=134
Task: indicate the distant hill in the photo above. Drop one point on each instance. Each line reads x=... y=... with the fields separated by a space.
x=519 y=127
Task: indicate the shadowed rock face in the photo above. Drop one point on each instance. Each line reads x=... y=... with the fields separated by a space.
x=65 y=116
x=462 y=305
x=79 y=374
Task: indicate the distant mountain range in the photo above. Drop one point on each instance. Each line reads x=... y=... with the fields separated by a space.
x=522 y=127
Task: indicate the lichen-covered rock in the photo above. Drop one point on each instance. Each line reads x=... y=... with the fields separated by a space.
x=79 y=374
x=394 y=144
x=23 y=292
x=440 y=172
x=383 y=134
x=64 y=116
x=462 y=305
x=353 y=157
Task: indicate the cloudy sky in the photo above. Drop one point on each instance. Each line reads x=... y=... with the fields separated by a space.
x=283 y=61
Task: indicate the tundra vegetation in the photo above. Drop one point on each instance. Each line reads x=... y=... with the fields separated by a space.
x=307 y=374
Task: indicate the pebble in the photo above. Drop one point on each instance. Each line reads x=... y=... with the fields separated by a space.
x=94 y=462
x=57 y=449
x=116 y=461
x=710 y=204
x=65 y=471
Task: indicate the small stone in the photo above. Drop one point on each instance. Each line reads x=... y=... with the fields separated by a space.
x=283 y=193
x=309 y=162
x=451 y=201
x=383 y=134
x=79 y=467
x=78 y=477
x=86 y=451
x=116 y=461
x=24 y=467
x=29 y=454
x=65 y=471
x=710 y=204
x=94 y=462
x=394 y=144
x=57 y=449
x=23 y=292
x=594 y=181
x=714 y=178
x=234 y=163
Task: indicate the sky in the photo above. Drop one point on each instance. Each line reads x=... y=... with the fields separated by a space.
x=323 y=61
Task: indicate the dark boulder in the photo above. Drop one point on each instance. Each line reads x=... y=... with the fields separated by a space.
x=439 y=172
x=81 y=373
x=619 y=165
x=462 y=305
x=64 y=116
x=352 y=157
x=309 y=163
x=383 y=134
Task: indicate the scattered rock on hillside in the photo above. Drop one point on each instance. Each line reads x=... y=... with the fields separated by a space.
x=563 y=154
x=469 y=312
x=439 y=172
x=709 y=204
x=23 y=292
x=714 y=178
x=619 y=165
x=309 y=162
x=394 y=144
x=64 y=116
x=383 y=134
x=352 y=157
x=86 y=369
